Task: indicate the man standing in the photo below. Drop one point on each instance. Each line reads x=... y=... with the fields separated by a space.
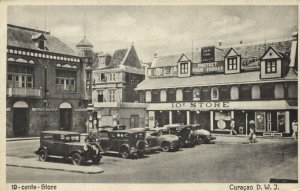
x=295 y=129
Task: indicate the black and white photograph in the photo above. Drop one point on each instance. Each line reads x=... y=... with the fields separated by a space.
x=177 y=96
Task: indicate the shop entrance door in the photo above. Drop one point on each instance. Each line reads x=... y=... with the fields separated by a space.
x=65 y=119
x=20 y=122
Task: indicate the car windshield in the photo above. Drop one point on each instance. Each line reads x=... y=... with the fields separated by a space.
x=72 y=138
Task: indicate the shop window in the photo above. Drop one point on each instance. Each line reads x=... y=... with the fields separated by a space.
x=255 y=92
x=205 y=94
x=178 y=95
x=214 y=93
x=224 y=93
x=134 y=121
x=234 y=93
x=279 y=91
x=232 y=63
x=271 y=66
x=183 y=68
x=245 y=92
x=171 y=95
x=292 y=90
x=196 y=94
x=155 y=96
x=187 y=94
x=163 y=95
x=267 y=91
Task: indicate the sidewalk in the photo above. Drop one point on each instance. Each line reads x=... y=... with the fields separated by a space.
x=21 y=138
x=35 y=163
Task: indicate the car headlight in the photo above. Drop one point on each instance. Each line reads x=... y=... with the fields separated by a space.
x=85 y=148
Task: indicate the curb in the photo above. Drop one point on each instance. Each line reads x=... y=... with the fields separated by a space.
x=244 y=136
x=45 y=168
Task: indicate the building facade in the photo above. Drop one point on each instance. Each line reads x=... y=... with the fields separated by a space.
x=216 y=85
x=46 y=86
x=114 y=99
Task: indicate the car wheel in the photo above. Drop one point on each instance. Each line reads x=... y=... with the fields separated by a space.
x=97 y=160
x=165 y=146
x=201 y=140
x=77 y=159
x=43 y=155
x=181 y=143
x=125 y=153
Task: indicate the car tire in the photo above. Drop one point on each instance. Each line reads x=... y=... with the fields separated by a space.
x=43 y=155
x=77 y=159
x=124 y=153
x=165 y=147
x=97 y=160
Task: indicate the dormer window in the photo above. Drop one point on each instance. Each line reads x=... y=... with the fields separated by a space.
x=271 y=66
x=41 y=44
x=40 y=40
x=232 y=63
x=184 y=68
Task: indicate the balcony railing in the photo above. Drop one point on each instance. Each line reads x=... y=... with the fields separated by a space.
x=24 y=92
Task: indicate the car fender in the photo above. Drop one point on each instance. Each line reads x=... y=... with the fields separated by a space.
x=41 y=148
x=76 y=151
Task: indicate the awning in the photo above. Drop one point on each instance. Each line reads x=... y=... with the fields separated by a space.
x=210 y=80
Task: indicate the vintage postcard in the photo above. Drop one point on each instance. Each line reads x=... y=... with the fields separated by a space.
x=140 y=95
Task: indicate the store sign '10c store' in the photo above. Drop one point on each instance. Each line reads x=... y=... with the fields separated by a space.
x=201 y=105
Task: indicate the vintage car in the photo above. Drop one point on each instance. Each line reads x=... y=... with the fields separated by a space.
x=159 y=141
x=67 y=145
x=202 y=135
x=125 y=142
x=184 y=132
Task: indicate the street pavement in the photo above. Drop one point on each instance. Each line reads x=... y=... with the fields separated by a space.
x=230 y=159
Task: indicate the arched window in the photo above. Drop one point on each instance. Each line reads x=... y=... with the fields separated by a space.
x=178 y=95
x=214 y=93
x=267 y=91
x=196 y=94
x=205 y=94
x=255 y=92
x=234 y=93
x=163 y=95
x=279 y=91
x=148 y=96
x=292 y=90
x=155 y=96
x=224 y=93
x=245 y=92
x=171 y=95
x=187 y=94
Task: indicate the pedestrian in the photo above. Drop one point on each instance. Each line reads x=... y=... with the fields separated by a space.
x=252 y=135
x=295 y=129
x=232 y=126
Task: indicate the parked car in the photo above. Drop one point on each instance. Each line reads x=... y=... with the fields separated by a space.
x=203 y=136
x=67 y=145
x=184 y=132
x=125 y=142
x=157 y=140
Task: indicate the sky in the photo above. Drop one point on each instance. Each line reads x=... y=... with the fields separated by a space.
x=162 y=29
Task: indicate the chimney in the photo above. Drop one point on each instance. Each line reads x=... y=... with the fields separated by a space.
x=155 y=55
x=293 y=54
x=295 y=35
x=220 y=43
x=132 y=43
x=241 y=42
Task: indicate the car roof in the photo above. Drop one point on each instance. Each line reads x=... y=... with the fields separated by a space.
x=157 y=129
x=61 y=132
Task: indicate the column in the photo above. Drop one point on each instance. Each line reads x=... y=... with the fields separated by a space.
x=151 y=115
x=211 y=120
x=188 y=117
x=287 y=122
x=232 y=115
x=170 y=117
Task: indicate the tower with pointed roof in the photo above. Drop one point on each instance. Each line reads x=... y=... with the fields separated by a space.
x=85 y=48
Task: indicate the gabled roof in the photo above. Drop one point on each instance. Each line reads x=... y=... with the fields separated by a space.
x=231 y=49
x=117 y=58
x=279 y=54
x=22 y=37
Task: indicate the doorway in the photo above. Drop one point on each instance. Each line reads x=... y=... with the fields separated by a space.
x=65 y=116
x=20 y=119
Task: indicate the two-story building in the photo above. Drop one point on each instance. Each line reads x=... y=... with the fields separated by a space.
x=113 y=96
x=213 y=86
x=45 y=84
